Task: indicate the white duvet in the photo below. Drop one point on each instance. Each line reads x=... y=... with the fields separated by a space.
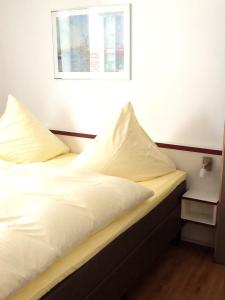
x=44 y=211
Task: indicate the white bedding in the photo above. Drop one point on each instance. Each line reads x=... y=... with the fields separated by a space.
x=44 y=211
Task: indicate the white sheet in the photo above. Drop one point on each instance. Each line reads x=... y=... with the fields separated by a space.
x=44 y=211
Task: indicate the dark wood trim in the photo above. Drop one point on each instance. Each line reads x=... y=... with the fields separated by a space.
x=75 y=134
x=161 y=145
x=220 y=229
x=202 y=201
x=190 y=149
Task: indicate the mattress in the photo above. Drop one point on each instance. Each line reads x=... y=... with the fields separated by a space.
x=60 y=269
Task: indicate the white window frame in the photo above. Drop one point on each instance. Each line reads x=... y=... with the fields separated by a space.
x=126 y=74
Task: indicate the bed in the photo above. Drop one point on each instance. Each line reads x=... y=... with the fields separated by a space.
x=107 y=264
x=82 y=227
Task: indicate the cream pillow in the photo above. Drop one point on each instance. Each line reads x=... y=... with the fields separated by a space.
x=126 y=151
x=23 y=138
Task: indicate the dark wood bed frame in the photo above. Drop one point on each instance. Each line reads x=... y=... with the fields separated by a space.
x=113 y=271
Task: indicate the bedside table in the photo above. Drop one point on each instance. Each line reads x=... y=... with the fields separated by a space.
x=199 y=210
x=199 y=215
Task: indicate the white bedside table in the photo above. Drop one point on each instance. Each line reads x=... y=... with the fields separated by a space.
x=201 y=210
x=199 y=215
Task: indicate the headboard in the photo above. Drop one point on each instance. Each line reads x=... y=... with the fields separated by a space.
x=220 y=227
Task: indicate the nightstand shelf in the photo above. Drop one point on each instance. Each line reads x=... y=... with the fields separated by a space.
x=201 y=210
x=199 y=214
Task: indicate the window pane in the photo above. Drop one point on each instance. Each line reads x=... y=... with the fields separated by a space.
x=113 y=42
x=73 y=43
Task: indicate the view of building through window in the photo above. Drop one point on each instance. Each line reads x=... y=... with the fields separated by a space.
x=90 y=43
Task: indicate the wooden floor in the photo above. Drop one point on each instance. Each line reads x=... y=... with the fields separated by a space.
x=185 y=272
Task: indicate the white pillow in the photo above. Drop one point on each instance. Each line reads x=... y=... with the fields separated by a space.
x=126 y=151
x=23 y=138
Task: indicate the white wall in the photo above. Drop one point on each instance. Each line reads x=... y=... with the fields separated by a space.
x=177 y=85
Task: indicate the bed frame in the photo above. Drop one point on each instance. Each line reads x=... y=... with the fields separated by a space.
x=113 y=271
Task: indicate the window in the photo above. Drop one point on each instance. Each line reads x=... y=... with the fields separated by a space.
x=92 y=43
